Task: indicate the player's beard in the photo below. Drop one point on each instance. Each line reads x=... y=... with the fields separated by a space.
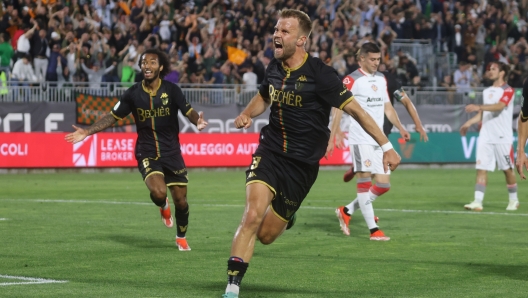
x=154 y=77
x=287 y=52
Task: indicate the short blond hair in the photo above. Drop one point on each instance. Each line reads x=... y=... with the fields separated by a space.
x=305 y=24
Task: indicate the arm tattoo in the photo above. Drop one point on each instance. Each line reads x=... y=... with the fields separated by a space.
x=102 y=124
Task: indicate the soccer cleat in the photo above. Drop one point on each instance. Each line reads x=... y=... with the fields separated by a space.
x=512 y=206
x=475 y=206
x=182 y=244
x=166 y=216
x=349 y=175
x=230 y=295
x=291 y=222
x=344 y=219
x=379 y=236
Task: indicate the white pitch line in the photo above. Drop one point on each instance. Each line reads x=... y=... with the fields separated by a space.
x=29 y=280
x=302 y=207
x=1 y=218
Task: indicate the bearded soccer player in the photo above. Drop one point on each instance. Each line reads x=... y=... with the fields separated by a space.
x=396 y=93
x=154 y=103
x=494 y=145
x=522 y=131
x=301 y=90
x=370 y=90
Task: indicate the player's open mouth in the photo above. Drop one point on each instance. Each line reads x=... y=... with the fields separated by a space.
x=148 y=72
x=278 y=47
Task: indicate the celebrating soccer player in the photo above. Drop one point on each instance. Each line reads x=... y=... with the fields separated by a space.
x=154 y=103
x=301 y=91
x=494 y=145
x=370 y=90
x=522 y=131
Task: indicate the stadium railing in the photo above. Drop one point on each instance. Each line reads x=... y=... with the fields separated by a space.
x=208 y=94
x=421 y=50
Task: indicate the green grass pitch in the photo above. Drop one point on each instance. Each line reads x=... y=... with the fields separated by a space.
x=101 y=234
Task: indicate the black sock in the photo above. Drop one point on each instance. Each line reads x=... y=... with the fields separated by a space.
x=182 y=220
x=157 y=202
x=236 y=268
x=374 y=230
x=345 y=209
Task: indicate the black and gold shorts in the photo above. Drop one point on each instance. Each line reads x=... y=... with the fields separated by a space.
x=290 y=180
x=171 y=167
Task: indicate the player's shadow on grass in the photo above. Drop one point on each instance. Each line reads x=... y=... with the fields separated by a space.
x=517 y=272
x=141 y=242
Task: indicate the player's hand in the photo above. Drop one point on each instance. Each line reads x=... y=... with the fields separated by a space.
x=243 y=121
x=340 y=140
x=329 y=149
x=201 y=123
x=423 y=134
x=405 y=135
x=463 y=130
x=78 y=135
x=521 y=162
x=391 y=160
x=472 y=108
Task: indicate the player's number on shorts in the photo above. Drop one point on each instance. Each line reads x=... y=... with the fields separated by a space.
x=255 y=163
x=145 y=163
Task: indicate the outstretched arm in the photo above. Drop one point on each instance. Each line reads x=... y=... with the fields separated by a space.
x=395 y=120
x=197 y=119
x=411 y=109
x=474 y=120
x=80 y=133
x=256 y=106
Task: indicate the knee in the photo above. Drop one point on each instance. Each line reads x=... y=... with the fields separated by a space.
x=159 y=193
x=266 y=239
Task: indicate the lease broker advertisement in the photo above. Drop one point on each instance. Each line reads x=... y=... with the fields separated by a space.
x=50 y=150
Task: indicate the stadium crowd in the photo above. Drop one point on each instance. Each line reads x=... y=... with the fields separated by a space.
x=230 y=41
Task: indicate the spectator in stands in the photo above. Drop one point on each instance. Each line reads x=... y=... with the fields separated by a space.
x=447 y=83
x=23 y=45
x=463 y=77
x=6 y=51
x=96 y=73
x=128 y=73
x=23 y=71
x=51 y=72
x=39 y=49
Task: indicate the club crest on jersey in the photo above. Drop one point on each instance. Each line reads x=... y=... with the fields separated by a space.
x=164 y=98
x=299 y=84
x=368 y=163
x=374 y=87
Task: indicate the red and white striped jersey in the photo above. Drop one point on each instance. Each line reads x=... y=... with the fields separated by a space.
x=370 y=91
x=497 y=126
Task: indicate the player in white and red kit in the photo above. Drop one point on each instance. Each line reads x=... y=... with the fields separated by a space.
x=370 y=90
x=494 y=145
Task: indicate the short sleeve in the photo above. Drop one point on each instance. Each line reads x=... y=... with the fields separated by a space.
x=264 y=86
x=331 y=89
x=507 y=95
x=180 y=100
x=123 y=107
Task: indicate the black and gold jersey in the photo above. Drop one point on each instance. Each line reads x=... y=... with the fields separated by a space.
x=301 y=100
x=156 y=116
x=524 y=103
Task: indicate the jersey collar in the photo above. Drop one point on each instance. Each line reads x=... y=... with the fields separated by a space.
x=151 y=93
x=295 y=68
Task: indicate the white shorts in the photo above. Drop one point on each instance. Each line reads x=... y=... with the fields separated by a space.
x=489 y=155
x=367 y=158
